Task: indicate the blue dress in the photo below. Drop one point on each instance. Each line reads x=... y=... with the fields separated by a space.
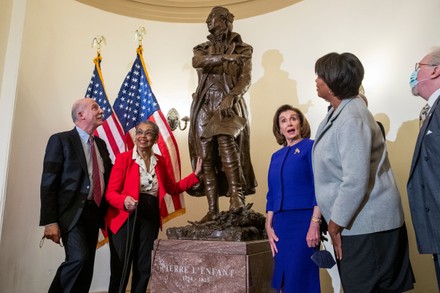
x=291 y=197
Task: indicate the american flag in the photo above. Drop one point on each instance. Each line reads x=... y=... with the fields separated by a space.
x=135 y=103
x=110 y=131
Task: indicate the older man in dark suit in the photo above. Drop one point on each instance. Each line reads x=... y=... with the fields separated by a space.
x=424 y=178
x=75 y=172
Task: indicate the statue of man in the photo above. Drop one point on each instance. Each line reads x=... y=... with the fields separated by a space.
x=219 y=129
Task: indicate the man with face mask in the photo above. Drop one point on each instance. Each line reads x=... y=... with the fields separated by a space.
x=219 y=131
x=424 y=177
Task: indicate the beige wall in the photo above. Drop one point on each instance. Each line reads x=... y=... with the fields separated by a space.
x=56 y=65
x=11 y=29
x=5 y=18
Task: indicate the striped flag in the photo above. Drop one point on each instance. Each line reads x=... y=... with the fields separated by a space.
x=135 y=103
x=110 y=131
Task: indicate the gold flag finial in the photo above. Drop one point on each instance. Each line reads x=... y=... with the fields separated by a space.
x=140 y=34
x=97 y=42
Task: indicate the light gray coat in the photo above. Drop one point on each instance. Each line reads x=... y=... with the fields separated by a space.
x=354 y=183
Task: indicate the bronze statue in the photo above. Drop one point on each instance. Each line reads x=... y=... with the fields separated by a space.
x=219 y=128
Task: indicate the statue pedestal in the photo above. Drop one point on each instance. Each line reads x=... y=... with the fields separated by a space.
x=211 y=266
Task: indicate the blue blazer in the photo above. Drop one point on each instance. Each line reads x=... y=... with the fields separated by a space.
x=290 y=178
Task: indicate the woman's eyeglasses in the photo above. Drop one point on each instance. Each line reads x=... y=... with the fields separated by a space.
x=146 y=133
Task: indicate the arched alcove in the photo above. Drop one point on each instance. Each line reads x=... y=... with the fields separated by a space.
x=186 y=11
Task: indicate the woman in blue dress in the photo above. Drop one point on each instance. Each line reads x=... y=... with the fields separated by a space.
x=293 y=217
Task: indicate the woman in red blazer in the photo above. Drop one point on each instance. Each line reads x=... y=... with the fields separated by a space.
x=135 y=193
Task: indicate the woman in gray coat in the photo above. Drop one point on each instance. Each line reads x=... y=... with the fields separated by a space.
x=355 y=187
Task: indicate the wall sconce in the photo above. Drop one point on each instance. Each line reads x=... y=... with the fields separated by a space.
x=174 y=120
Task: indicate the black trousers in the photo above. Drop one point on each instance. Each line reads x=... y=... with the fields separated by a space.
x=76 y=272
x=131 y=247
x=376 y=262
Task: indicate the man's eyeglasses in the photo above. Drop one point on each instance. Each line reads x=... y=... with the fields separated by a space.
x=417 y=66
x=146 y=133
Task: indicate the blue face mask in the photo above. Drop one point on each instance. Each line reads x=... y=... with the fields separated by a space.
x=413 y=78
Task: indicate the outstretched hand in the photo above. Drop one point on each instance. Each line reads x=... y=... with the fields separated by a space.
x=198 y=169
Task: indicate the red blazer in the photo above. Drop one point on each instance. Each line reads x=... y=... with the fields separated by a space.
x=125 y=180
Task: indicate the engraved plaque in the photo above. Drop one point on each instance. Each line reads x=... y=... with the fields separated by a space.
x=211 y=266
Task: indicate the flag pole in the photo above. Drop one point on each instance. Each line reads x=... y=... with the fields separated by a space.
x=136 y=102
x=96 y=42
x=140 y=35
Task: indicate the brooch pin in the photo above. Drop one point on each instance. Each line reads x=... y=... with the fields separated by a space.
x=297 y=151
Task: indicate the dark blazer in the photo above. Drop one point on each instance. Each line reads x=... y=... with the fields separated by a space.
x=65 y=181
x=424 y=184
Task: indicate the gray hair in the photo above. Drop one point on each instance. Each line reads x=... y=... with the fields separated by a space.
x=435 y=57
x=77 y=107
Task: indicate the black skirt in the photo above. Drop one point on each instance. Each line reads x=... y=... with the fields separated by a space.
x=376 y=262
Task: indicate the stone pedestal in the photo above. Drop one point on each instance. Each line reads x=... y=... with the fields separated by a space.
x=211 y=266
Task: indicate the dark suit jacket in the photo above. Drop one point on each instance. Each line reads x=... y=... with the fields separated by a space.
x=65 y=182
x=424 y=184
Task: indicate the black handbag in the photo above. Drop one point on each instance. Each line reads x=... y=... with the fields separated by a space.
x=323 y=258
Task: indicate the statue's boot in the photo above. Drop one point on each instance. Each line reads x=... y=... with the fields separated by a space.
x=211 y=192
x=232 y=168
x=236 y=201
x=210 y=216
